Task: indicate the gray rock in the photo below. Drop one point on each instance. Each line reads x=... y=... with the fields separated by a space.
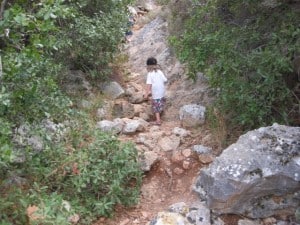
x=192 y=115
x=136 y=98
x=132 y=126
x=182 y=133
x=110 y=126
x=29 y=135
x=247 y=222
x=113 y=90
x=169 y=218
x=179 y=207
x=54 y=127
x=147 y=160
x=183 y=214
x=105 y=111
x=250 y=175
x=118 y=125
x=36 y=143
x=297 y=215
x=169 y=143
x=200 y=149
x=199 y=214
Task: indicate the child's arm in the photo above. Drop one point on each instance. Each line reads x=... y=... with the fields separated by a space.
x=148 y=90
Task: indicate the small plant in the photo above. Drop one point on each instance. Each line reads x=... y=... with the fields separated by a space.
x=218 y=127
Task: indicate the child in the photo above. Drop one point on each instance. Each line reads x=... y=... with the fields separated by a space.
x=155 y=85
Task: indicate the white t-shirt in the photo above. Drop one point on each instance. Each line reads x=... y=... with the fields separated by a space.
x=157 y=80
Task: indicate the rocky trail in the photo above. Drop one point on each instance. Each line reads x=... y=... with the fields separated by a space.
x=173 y=154
x=174 y=166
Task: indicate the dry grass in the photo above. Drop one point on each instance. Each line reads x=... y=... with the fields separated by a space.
x=218 y=127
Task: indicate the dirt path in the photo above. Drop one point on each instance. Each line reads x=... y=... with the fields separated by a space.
x=167 y=182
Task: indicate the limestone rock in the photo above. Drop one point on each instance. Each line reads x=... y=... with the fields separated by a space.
x=110 y=126
x=168 y=218
x=258 y=176
x=182 y=133
x=132 y=126
x=169 y=143
x=204 y=153
x=147 y=160
x=192 y=115
x=104 y=112
x=247 y=222
x=183 y=214
x=112 y=90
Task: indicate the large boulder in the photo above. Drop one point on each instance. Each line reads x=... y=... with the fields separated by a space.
x=112 y=90
x=114 y=126
x=257 y=177
x=192 y=115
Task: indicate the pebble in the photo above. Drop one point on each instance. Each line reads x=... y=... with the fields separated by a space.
x=178 y=171
x=186 y=152
x=124 y=222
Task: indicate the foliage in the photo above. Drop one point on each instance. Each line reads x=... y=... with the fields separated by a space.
x=45 y=38
x=12 y=207
x=246 y=50
x=92 y=37
x=90 y=173
x=89 y=170
x=6 y=145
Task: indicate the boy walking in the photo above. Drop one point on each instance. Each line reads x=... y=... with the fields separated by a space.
x=155 y=85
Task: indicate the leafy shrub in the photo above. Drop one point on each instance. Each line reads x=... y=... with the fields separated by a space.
x=87 y=175
x=96 y=41
x=12 y=207
x=32 y=89
x=92 y=36
x=5 y=145
x=245 y=49
x=94 y=173
x=43 y=40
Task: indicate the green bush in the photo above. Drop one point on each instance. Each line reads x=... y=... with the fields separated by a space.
x=91 y=38
x=45 y=39
x=91 y=172
x=97 y=174
x=12 y=207
x=246 y=50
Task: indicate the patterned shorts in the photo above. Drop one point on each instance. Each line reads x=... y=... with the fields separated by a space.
x=158 y=105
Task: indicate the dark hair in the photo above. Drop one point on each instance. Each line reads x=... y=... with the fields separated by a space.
x=151 y=61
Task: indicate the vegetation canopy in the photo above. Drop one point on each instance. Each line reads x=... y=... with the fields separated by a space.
x=248 y=50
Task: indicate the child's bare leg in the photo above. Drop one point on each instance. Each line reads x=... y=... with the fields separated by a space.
x=157 y=115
